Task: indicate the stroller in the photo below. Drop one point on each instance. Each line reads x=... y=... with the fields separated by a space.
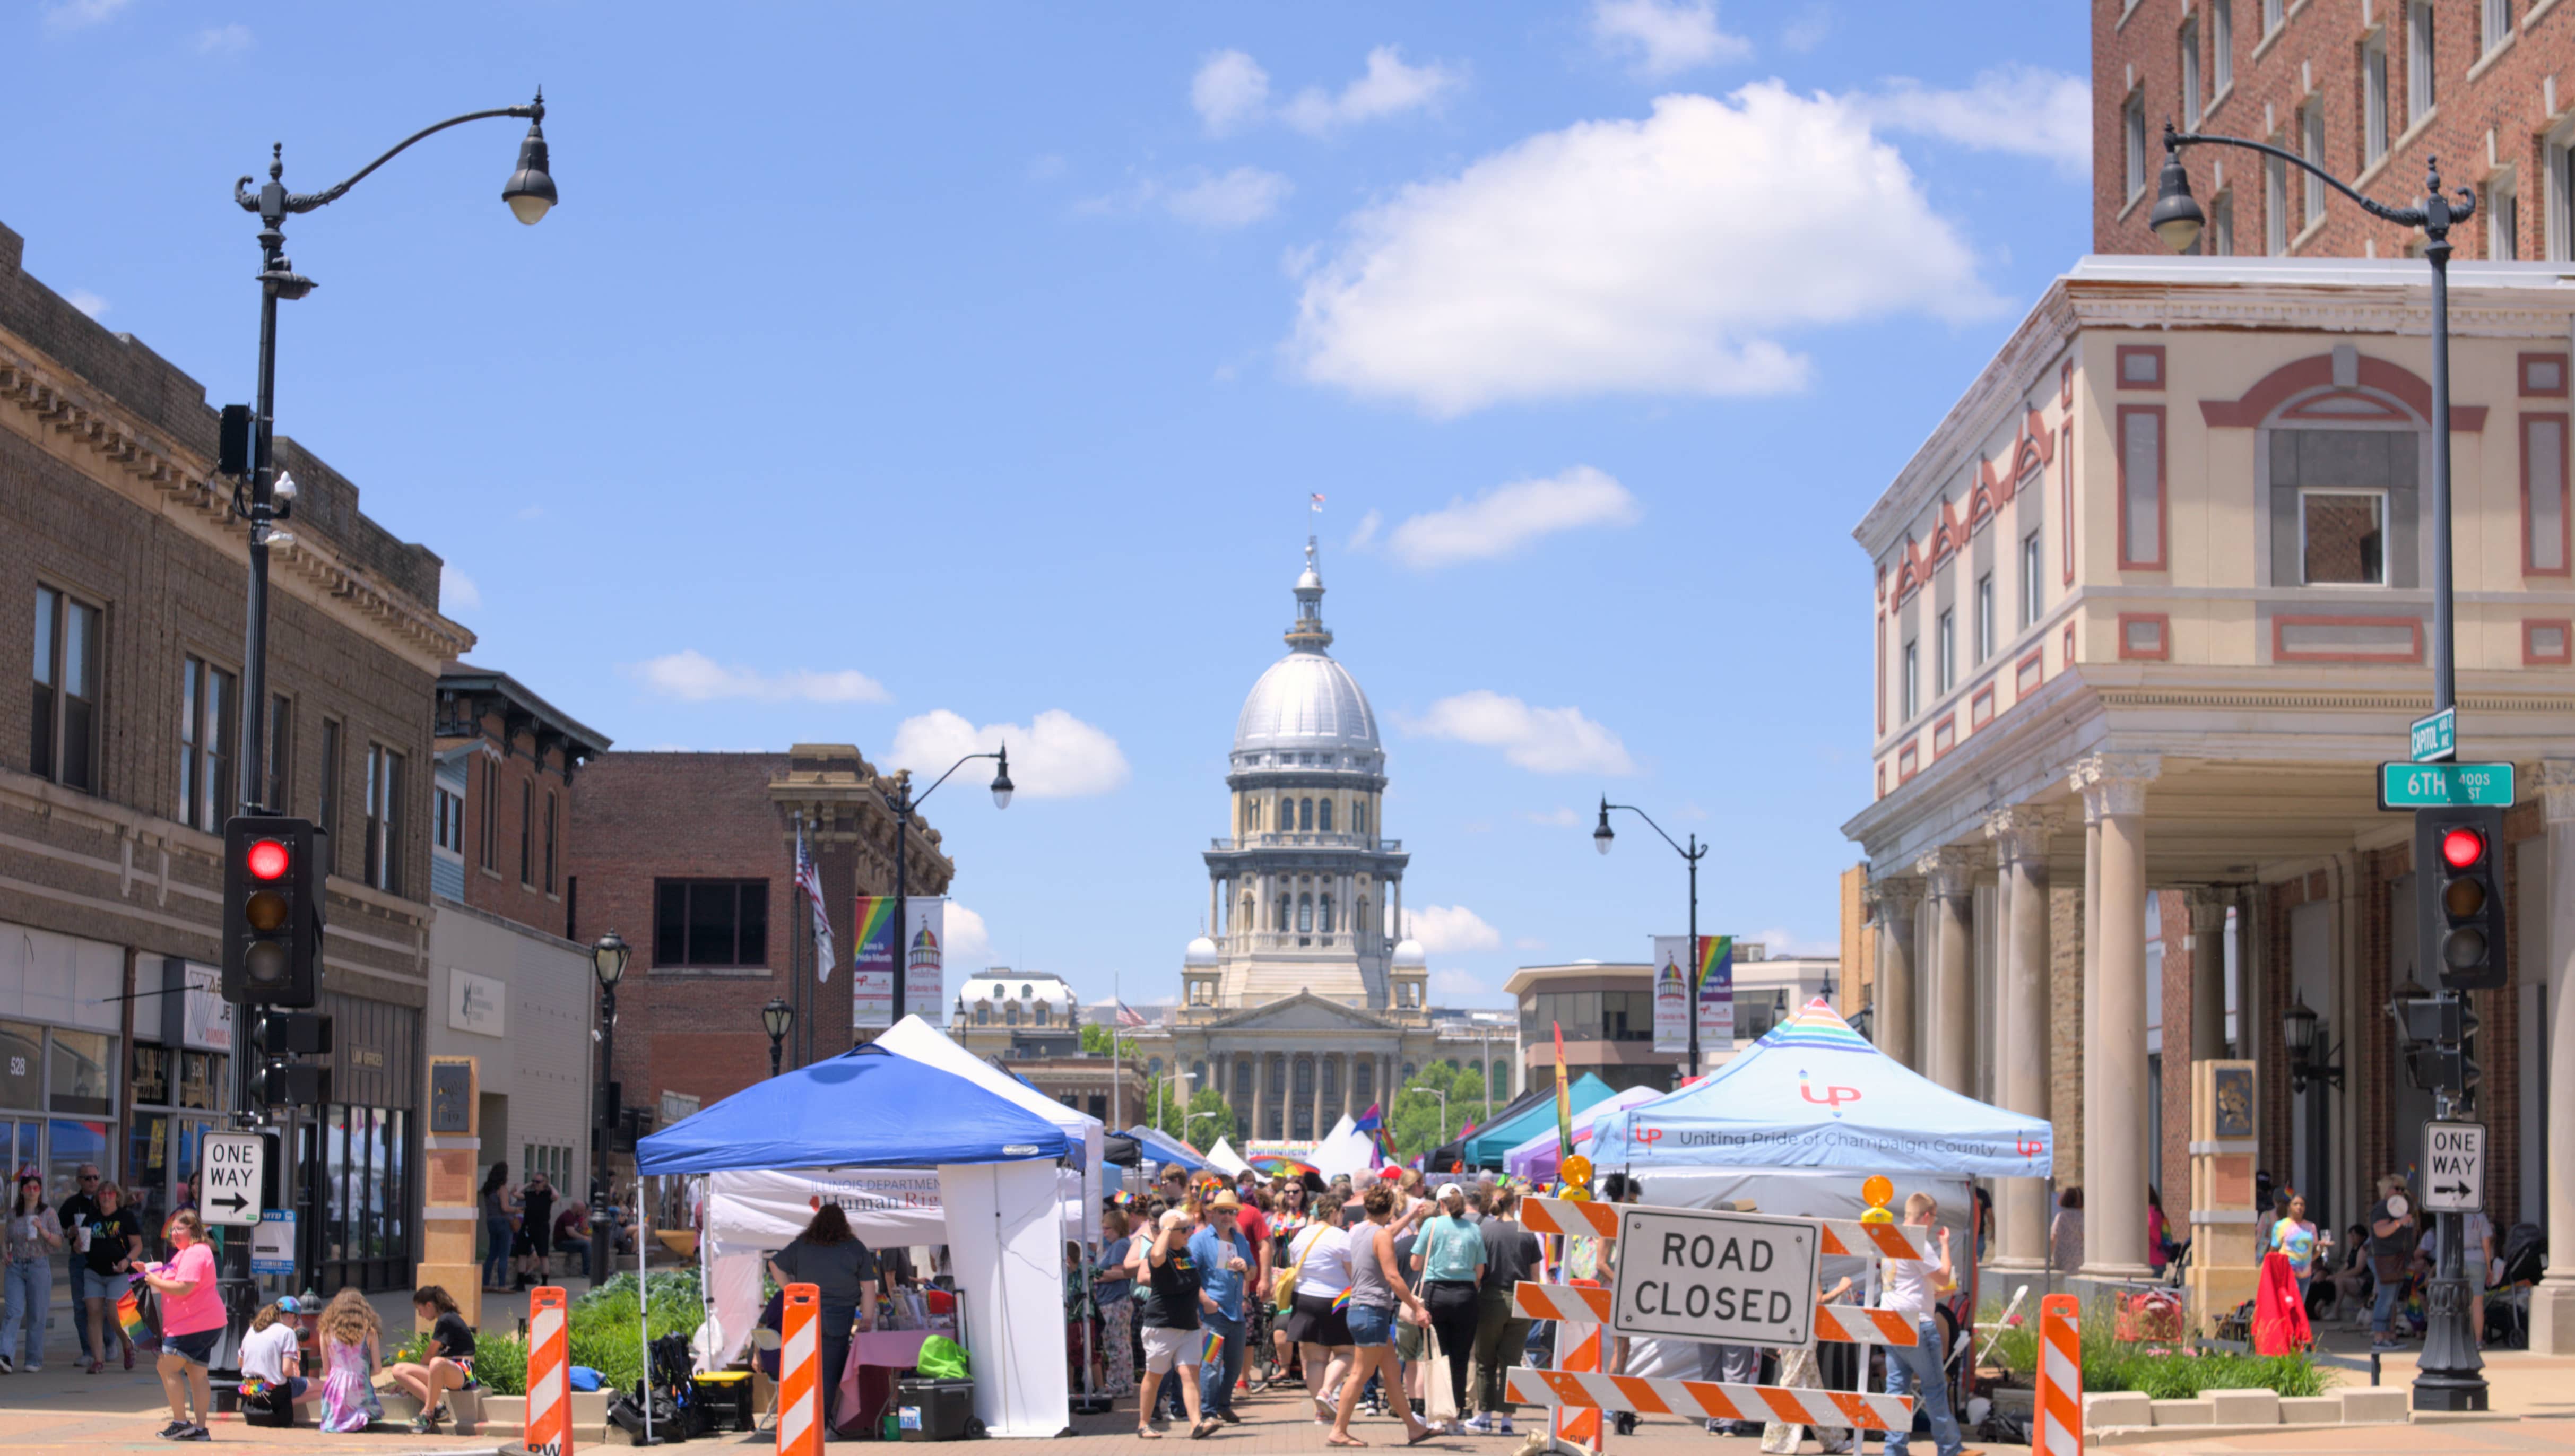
x=2524 y=1256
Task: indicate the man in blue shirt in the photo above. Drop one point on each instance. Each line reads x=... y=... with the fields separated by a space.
x=1224 y=1263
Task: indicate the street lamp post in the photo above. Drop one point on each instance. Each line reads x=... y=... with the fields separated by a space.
x=608 y=957
x=776 y=1016
x=902 y=803
x=2449 y=1375
x=1601 y=840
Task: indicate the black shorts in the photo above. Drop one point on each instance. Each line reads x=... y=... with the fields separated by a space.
x=540 y=1239
x=1313 y=1321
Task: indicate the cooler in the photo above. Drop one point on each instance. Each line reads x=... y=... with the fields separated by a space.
x=928 y=1409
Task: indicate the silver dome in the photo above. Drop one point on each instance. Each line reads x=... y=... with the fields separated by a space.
x=1305 y=702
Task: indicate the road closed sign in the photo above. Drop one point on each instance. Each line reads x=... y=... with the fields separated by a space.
x=233 y=1165
x=1730 y=1278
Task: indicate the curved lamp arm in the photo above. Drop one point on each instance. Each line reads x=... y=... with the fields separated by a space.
x=275 y=195
x=2411 y=217
x=1605 y=807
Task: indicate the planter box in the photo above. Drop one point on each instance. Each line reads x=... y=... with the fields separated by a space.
x=2379 y=1405
x=2200 y=1412
x=2115 y=1408
x=2311 y=1410
x=2258 y=1406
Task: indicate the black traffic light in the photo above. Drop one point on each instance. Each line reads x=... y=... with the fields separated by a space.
x=2458 y=896
x=2437 y=1032
x=279 y=1084
x=290 y=1034
x=272 y=926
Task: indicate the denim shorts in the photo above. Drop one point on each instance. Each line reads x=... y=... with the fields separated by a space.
x=1371 y=1325
x=196 y=1347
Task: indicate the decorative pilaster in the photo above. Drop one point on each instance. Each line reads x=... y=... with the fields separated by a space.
x=1948 y=882
x=1891 y=906
x=2019 y=834
x=2114 y=999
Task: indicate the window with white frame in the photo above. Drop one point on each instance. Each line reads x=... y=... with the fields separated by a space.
x=1944 y=649
x=2190 y=73
x=2312 y=147
x=2494 y=25
x=2222 y=44
x=2373 y=100
x=2419 y=97
x=2273 y=12
x=1986 y=626
x=1911 y=686
x=2275 y=206
x=2503 y=219
x=65 y=729
x=2133 y=126
x=384 y=831
x=2033 y=582
x=206 y=716
x=2342 y=538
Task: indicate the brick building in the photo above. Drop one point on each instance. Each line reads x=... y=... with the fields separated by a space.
x=2369 y=89
x=122 y=582
x=691 y=859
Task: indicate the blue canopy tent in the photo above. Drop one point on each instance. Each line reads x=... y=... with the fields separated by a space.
x=871 y=1109
x=1509 y=1128
x=1162 y=1148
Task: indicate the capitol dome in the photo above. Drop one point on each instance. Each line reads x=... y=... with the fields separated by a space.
x=1409 y=954
x=1308 y=711
x=1201 y=952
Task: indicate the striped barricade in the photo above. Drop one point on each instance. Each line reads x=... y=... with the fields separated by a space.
x=1578 y=1426
x=800 y=1363
x=1840 y=1324
x=2056 y=1421
x=1706 y=1399
x=1846 y=1237
x=549 y=1431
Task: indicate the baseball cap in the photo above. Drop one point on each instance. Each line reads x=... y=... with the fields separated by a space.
x=1449 y=1190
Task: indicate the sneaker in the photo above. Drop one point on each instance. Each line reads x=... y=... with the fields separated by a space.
x=7 y=1367
x=194 y=1433
x=1503 y=1426
x=1477 y=1425
x=171 y=1431
x=2382 y=1347
x=35 y=1367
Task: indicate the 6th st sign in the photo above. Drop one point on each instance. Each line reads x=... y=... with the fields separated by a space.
x=235 y=1170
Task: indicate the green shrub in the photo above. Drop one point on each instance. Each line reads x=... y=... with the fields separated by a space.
x=2161 y=1372
x=606 y=1330
x=501 y=1363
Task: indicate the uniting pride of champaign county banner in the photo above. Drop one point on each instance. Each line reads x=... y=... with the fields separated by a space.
x=925 y=942
x=1715 y=978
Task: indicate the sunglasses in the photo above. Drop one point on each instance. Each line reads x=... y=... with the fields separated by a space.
x=89 y=1177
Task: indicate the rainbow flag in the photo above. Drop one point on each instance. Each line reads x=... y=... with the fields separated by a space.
x=129 y=1318
x=1712 y=951
x=1215 y=1346
x=1341 y=1302
x=1563 y=1097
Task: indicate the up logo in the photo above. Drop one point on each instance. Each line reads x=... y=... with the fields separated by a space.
x=1649 y=1137
x=1831 y=1097
x=2028 y=1148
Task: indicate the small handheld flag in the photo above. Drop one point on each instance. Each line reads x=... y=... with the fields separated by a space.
x=1215 y=1346
x=1341 y=1302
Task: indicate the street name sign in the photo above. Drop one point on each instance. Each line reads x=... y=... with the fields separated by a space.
x=235 y=1166
x=2435 y=739
x=2454 y=1166
x=1730 y=1278
x=2440 y=786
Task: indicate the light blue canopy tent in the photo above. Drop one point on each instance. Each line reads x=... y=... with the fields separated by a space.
x=1485 y=1149
x=1814 y=1093
x=1162 y=1148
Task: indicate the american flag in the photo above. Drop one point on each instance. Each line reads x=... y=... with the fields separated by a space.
x=1317 y=501
x=1128 y=1016
x=811 y=884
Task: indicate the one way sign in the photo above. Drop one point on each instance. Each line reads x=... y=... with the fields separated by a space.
x=234 y=1165
x=2454 y=1166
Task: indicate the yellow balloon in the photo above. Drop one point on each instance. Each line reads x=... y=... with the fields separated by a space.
x=1578 y=1170
x=1878 y=1192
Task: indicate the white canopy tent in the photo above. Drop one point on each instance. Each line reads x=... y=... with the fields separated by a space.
x=1344 y=1150
x=1226 y=1160
x=925 y=1043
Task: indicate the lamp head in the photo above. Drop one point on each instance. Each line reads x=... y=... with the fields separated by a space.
x=1601 y=836
x=2176 y=217
x=778 y=1017
x=2298 y=1029
x=607 y=957
x=1002 y=780
x=530 y=192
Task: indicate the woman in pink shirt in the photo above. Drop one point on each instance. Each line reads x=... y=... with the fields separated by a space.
x=192 y=1319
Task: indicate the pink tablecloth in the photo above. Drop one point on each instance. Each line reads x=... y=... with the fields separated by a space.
x=899 y=1349
x=884 y=1350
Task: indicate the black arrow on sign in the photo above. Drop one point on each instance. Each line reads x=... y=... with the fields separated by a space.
x=2451 y=1190
x=236 y=1202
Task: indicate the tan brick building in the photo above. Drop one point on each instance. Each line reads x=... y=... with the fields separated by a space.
x=122 y=582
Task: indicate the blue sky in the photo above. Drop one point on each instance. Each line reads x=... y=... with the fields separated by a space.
x=890 y=374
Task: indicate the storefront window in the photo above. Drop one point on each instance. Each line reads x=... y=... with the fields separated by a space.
x=83 y=1078
x=148 y=1152
x=152 y=1076
x=73 y=1143
x=22 y=1065
x=201 y=1080
x=335 y=1182
x=24 y=1142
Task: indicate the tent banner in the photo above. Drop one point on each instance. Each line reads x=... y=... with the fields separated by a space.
x=872 y=988
x=1672 y=995
x=925 y=958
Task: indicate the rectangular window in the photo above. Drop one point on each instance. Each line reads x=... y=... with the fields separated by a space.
x=2373 y=100
x=206 y=730
x=2132 y=125
x=2273 y=12
x=552 y=823
x=2503 y=222
x=527 y=831
x=447 y=811
x=2033 y=587
x=2543 y=496
x=2221 y=43
x=711 y=923
x=2275 y=206
x=491 y=804
x=2141 y=488
x=2494 y=25
x=275 y=792
x=332 y=767
x=2419 y=98
x=2342 y=538
x=1945 y=646
x=384 y=818
x=2190 y=73
x=1984 y=616
x=63 y=725
x=2220 y=240
x=2313 y=149
x=1911 y=687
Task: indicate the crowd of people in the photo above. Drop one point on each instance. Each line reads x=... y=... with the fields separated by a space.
x=99 y=1233
x=524 y=1228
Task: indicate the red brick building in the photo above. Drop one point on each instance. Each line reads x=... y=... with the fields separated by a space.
x=2369 y=89
x=691 y=859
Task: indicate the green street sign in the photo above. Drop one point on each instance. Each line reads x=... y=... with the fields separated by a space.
x=2436 y=786
x=2436 y=737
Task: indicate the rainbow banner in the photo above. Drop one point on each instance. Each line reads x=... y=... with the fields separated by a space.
x=1715 y=980
x=872 y=988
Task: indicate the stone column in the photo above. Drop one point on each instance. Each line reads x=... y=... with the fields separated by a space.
x=2552 y=1304
x=2021 y=851
x=1892 y=903
x=2114 y=1004
x=1260 y=1094
x=2207 y=974
x=1950 y=1042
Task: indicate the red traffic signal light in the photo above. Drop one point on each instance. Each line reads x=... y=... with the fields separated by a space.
x=266 y=859
x=2462 y=848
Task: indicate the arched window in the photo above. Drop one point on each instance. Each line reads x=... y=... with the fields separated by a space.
x=1247 y=915
x=1409 y=1070
x=1364 y=1081
x=1197 y=1074
x=1283 y=916
x=1304 y=913
x=982 y=1014
x=1010 y=1013
x=1358 y=816
x=1250 y=815
x=1286 y=813
x=1027 y=991
x=1324 y=818
x=1500 y=1078
x=1153 y=1066
x=1326 y=926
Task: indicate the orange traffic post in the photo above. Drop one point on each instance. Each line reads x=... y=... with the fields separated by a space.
x=800 y=1367
x=549 y=1430
x=2056 y=1418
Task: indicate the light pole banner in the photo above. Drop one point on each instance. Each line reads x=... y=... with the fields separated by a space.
x=1671 y=994
x=925 y=958
x=1715 y=993
x=872 y=964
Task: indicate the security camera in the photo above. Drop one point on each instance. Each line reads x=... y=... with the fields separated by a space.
x=283 y=492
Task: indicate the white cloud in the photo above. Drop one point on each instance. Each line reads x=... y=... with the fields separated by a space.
x=1618 y=256
x=1778 y=940
x=1448 y=929
x=1235 y=198
x=86 y=301
x=1665 y=37
x=1057 y=755
x=1387 y=88
x=82 y=14
x=1457 y=983
x=970 y=943
x=1367 y=530
x=1542 y=739
x=1561 y=817
x=1809 y=30
x=2018 y=109
x=456 y=590
x=1499 y=522
x=223 y=40
x=1229 y=90
x=692 y=677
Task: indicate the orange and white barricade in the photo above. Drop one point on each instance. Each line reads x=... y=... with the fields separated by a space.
x=1578 y=1392
x=2056 y=1420
x=549 y=1431
x=800 y=1373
